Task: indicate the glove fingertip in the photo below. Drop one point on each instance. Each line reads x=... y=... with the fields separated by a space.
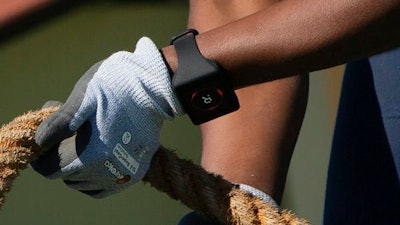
x=53 y=130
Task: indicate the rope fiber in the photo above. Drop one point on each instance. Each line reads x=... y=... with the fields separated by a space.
x=181 y=179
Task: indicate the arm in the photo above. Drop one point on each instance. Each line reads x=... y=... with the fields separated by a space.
x=12 y=10
x=253 y=145
x=300 y=36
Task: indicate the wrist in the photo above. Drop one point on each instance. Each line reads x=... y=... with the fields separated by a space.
x=202 y=85
x=170 y=59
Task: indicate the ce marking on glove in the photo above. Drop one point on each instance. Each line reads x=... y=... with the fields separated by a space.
x=126 y=137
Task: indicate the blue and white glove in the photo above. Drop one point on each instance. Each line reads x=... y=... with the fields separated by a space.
x=116 y=111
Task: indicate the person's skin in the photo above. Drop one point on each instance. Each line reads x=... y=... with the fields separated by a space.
x=295 y=36
x=254 y=144
x=11 y=10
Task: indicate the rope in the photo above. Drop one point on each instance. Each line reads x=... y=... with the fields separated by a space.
x=179 y=178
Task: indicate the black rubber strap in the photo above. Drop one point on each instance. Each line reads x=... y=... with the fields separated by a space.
x=191 y=63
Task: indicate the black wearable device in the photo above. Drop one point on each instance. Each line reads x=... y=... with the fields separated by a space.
x=201 y=84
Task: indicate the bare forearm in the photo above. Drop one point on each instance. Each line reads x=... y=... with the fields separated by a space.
x=301 y=36
x=11 y=10
x=254 y=144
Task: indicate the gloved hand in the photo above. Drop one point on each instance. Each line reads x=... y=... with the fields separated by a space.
x=116 y=111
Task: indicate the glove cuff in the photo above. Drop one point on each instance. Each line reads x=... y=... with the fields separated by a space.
x=159 y=81
x=260 y=194
x=144 y=77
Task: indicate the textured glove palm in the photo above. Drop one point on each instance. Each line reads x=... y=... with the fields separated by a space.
x=117 y=110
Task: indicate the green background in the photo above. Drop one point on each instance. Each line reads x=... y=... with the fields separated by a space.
x=44 y=63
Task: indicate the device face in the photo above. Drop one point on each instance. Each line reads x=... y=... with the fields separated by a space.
x=207 y=99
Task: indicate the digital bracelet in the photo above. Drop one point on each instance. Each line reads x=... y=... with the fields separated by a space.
x=201 y=84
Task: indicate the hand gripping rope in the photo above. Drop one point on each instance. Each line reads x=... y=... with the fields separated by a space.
x=181 y=179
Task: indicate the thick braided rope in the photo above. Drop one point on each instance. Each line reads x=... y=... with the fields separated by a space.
x=18 y=147
x=180 y=179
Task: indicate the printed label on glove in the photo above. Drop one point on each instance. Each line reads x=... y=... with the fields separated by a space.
x=125 y=158
x=121 y=179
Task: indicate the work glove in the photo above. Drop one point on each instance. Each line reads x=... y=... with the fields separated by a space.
x=103 y=138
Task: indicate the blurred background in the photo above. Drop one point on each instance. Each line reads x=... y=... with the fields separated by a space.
x=42 y=56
